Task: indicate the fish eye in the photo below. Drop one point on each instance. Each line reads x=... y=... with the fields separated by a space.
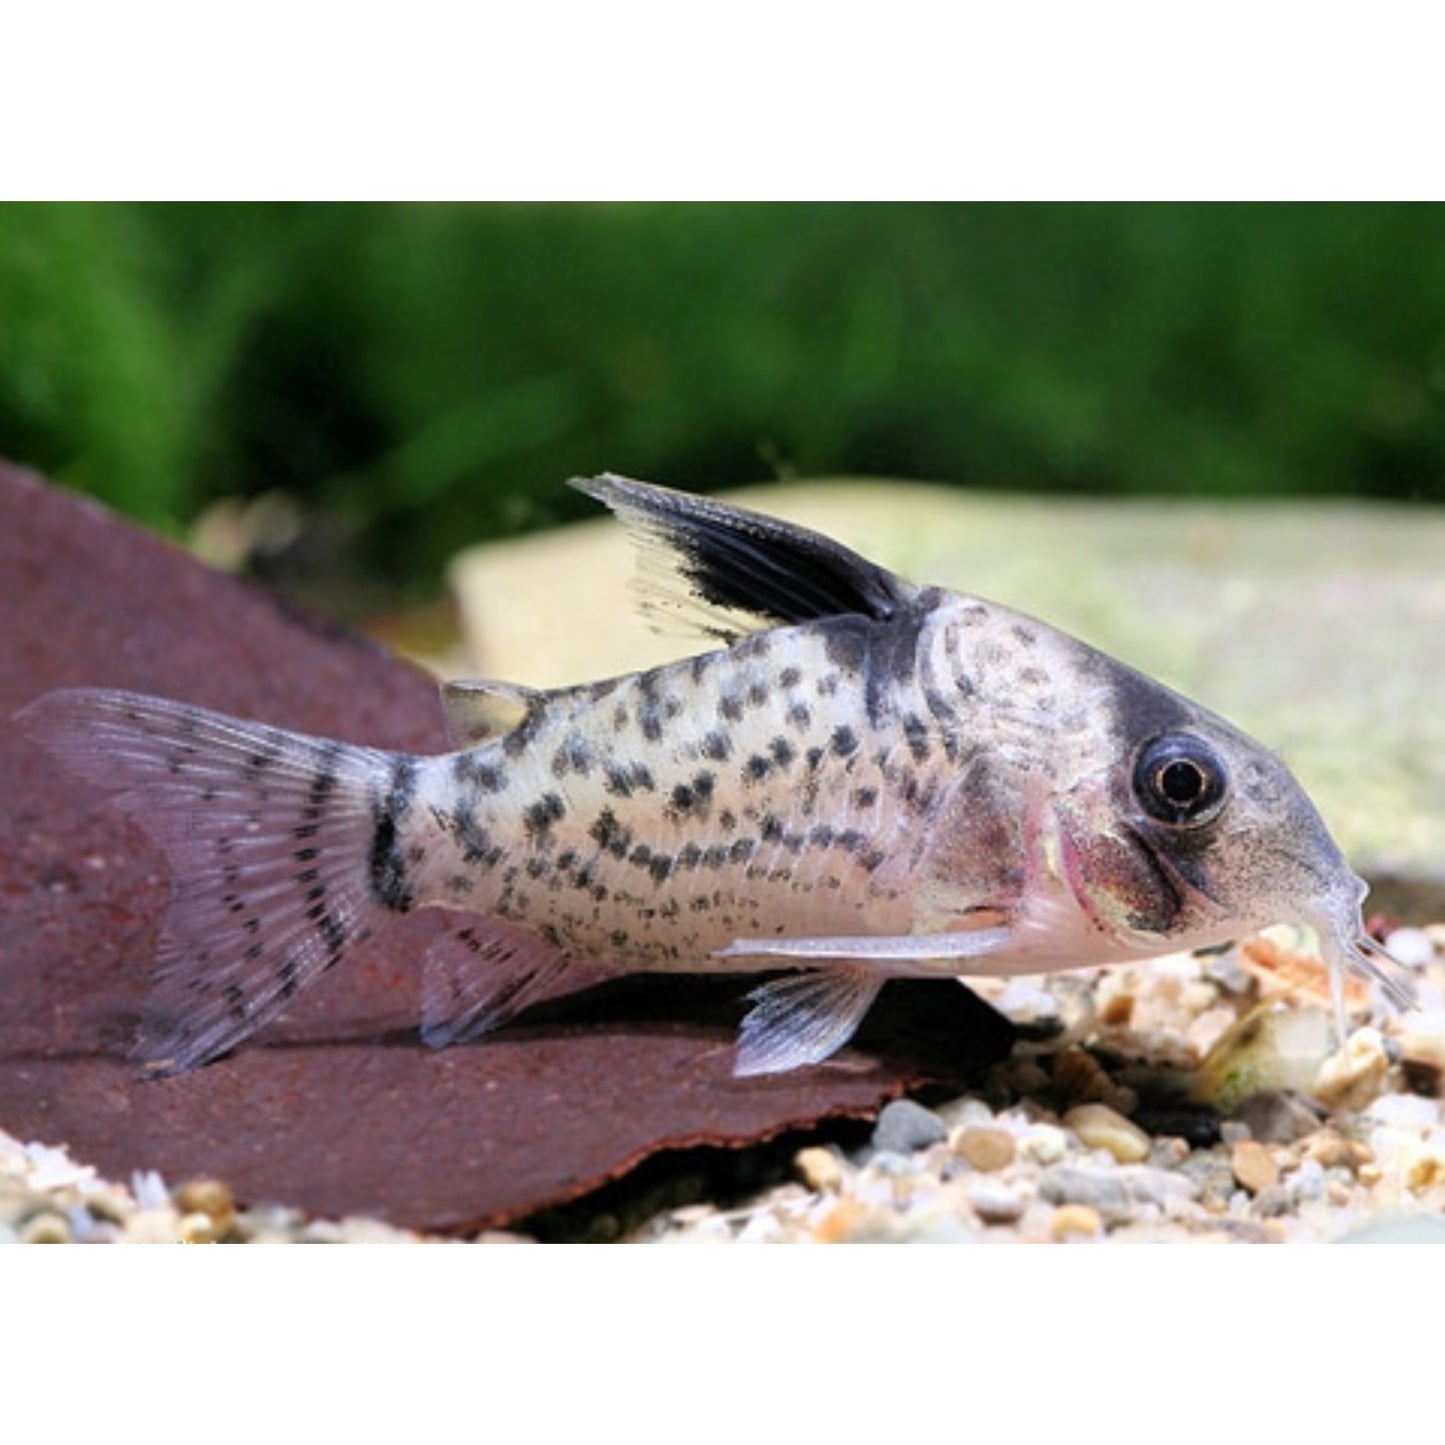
x=1180 y=779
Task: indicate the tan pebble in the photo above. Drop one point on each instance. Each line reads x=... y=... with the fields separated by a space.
x=839 y=1222
x=1073 y=1220
x=1333 y=1151
x=1116 y=1011
x=210 y=1197
x=1253 y=1165
x=1205 y=1031
x=152 y=1226
x=1100 y=1127
x=197 y=1227
x=1282 y=968
x=986 y=1149
x=819 y=1168
x=1353 y=1077
x=1370 y=1173
x=47 y=1227
x=1425 y=1171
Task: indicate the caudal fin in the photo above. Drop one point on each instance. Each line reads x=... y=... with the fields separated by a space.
x=270 y=836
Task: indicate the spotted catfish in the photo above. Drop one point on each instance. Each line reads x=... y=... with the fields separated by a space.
x=864 y=779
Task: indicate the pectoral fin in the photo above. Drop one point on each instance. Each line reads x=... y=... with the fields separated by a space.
x=912 y=948
x=803 y=1018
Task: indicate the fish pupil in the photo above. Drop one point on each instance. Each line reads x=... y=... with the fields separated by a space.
x=1181 y=782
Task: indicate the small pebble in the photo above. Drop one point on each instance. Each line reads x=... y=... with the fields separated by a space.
x=1044 y=1144
x=904 y=1126
x=1422 y=1036
x=209 y=1197
x=1074 y=1221
x=152 y=1226
x=1100 y=1127
x=1410 y=946
x=1253 y=1165
x=1425 y=1170
x=996 y=1203
x=1079 y=1076
x=1099 y=1189
x=1307 y=1182
x=840 y=1222
x=819 y=1168
x=1332 y=1151
x=1168 y=1190
x=197 y=1228
x=987 y=1150
x=1354 y=1077
x=1275 y=1116
x=1405 y=1111
x=47 y=1227
x=1271 y=1201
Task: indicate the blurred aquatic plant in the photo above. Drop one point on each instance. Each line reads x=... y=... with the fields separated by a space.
x=428 y=374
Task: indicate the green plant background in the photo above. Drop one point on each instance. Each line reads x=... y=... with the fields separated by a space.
x=426 y=375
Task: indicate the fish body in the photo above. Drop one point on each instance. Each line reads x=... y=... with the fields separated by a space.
x=882 y=779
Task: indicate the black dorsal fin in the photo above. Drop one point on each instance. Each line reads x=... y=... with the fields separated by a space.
x=719 y=561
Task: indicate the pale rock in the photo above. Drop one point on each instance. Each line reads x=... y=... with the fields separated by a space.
x=996 y=1203
x=1411 y=947
x=820 y=1168
x=1274 y=1116
x=1253 y=1166
x=1075 y=1221
x=1044 y=1144
x=1274 y=1046
x=1406 y=1111
x=987 y=1150
x=905 y=1126
x=1101 y=1190
x=1100 y=1127
x=1354 y=1077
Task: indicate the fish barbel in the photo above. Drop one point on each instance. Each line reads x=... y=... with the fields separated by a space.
x=863 y=779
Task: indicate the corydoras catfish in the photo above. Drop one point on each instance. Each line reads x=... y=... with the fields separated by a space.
x=863 y=779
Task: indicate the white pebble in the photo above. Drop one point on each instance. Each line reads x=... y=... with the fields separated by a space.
x=1044 y=1144
x=52 y=1168
x=996 y=1203
x=1410 y=946
x=1406 y=1111
x=149 y=1189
